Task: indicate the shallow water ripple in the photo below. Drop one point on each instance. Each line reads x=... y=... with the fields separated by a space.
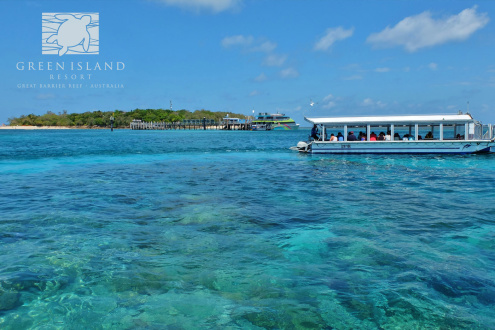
x=194 y=230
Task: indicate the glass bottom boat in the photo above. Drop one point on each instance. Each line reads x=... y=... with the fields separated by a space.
x=424 y=134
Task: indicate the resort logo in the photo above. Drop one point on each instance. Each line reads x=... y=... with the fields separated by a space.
x=70 y=33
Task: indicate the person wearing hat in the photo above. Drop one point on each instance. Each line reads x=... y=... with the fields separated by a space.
x=351 y=136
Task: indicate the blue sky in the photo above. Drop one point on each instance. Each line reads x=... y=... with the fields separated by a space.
x=348 y=57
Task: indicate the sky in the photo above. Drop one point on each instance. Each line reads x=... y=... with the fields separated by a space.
x=346 y=58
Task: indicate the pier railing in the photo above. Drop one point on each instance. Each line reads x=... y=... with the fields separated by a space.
x=188 y=125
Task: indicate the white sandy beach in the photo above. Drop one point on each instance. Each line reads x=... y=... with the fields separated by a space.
x=34 y=127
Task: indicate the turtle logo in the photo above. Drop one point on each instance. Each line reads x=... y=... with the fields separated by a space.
x=70 y=33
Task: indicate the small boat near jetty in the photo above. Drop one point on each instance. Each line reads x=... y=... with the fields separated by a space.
x=420 y=134
x=276 y=121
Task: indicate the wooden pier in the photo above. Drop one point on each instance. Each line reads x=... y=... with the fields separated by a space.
x=189 y=125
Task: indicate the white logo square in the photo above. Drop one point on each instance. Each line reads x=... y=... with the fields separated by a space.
x=70 y=33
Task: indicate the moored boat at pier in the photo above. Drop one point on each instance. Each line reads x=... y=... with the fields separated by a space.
x=276 y=121
x=421 y=134
x=261 y=127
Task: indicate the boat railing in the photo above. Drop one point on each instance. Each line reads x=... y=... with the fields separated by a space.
x=488 y=132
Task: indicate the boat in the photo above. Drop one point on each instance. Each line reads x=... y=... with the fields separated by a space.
x=419 y=134
x=275 y=121
x=261 y=127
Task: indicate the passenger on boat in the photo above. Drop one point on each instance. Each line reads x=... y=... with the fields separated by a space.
x=429 y=135
x=387 y=137
x=340 y=137
x=372 y=136
x=396 y=137
x=351 y=136
x=361 y=136
x=405 y=137
x=333 y=137
x=381 y=136
x=314 y=133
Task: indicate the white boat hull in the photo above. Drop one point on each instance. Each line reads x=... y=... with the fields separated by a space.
x=400 y=147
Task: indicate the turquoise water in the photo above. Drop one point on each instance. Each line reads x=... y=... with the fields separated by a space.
x=212 y=229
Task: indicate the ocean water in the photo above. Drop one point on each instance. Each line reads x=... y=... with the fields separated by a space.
x=232 y=230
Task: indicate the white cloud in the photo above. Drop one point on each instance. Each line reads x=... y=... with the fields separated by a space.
x=328 y=97
x=274 y=60
x=289 y=73
x=381 y=70
x=261 y=77
x=238 y=40
x=353 y=77
x=328 y=102
x=254 y=93
x=433 y=66
x=265 y=47
x=368 y=102
x=249 y=44
x=331 y=36
x=214 y=6
x=415 y=32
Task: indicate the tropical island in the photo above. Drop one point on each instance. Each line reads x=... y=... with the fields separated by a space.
x=122 y=119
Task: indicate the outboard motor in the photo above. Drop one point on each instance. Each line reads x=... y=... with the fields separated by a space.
x=302 y=146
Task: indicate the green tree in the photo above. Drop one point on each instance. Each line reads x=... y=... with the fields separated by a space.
x=122 y=118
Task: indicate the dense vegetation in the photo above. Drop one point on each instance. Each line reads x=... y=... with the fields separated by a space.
x=122 y=118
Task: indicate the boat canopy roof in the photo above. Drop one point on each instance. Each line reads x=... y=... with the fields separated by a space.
x=387 y=120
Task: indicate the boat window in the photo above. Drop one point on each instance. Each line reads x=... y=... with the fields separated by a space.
x=376 y=131
x=359 y=132
x=452 y=132
x=406 y=132
x=332 y=130
x=429 y=132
